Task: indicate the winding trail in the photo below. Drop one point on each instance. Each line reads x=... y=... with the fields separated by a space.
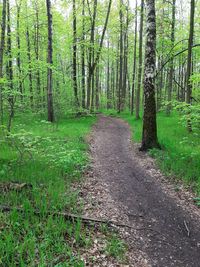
x=169 y=235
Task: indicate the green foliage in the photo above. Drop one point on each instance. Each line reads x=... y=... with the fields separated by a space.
x=116 y=247
x=49 y=158
x=189 y=113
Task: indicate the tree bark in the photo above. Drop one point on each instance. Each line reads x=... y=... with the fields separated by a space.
x=50 y=62
x=149 y=136
x=171 y=72
x=37 y=50
x=91 y=55
x=121 y=47
x=75 y=85
x=18 y=52
x=134 y=62
x=137 y=106
x=29 y=66
x=93 y=63
x=83 y=55
x=2 y=46
x=9 y=68
x=189 y=57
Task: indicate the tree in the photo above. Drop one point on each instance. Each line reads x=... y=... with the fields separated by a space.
x=149 y=135
x=75 y=85
x=121 y=47
x=134 y=62
x=83 y=55
x=2 y=45
x=50 y=62
x=19 y=48
x=137 y=106
x=93 y=61
x=189 y=59
x=9 y=69
x=171 y=71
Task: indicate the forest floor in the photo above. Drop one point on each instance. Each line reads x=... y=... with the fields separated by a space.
x=124 y=185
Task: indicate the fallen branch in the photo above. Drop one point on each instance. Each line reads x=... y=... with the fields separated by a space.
x=70 y=216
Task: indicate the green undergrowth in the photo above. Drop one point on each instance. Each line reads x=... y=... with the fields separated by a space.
x=38 y=164
x=180 y=154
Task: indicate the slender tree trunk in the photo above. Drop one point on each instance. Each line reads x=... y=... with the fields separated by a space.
x=2 y=45
x=91 y=55
x=50 y=62
x=189 y=57
x=37 y=49
x=19 y=53
x=83 y=55
x=125 y=63
x=134 y=62
x=137 y=110
x=189 y=62
x=108 y=79
x=29 y=66
x=94 y=62
x=121 y=57
x=97 y=87
x=9 y=68
x=75 y=85
x=149 y=136
x=171 y=71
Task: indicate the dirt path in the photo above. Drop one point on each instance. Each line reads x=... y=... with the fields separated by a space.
x=169 y=234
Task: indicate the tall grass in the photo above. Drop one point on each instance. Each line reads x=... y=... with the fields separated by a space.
x=53 y=157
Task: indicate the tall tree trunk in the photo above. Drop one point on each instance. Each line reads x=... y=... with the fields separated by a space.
x=189 y=61
x=50 y=62
x=125 y=63
x=2 y=45
x=108 y=79
x=9 y=68
x=171 y=72
x=91 y=54
x=29 y=66
x=94 y=62
x=149 y=136
x=83 y=55
x=18 y=52
x=97 y=88
x=37 y=32
x=120 y=57
x=137 y=106
x=134 y=62
x=189 y=57
x=75 y=85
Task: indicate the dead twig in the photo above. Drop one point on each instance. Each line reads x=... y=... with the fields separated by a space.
x=187 y=228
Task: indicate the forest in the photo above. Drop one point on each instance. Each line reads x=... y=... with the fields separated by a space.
x=99 y=118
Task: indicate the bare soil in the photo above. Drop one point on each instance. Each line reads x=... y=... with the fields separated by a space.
x=124 y=185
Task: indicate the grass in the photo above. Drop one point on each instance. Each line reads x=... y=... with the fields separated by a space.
x=180 y=155
x=49 y=158
x=116 y=247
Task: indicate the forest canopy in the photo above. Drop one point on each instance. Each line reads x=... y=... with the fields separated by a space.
x=97 y=55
